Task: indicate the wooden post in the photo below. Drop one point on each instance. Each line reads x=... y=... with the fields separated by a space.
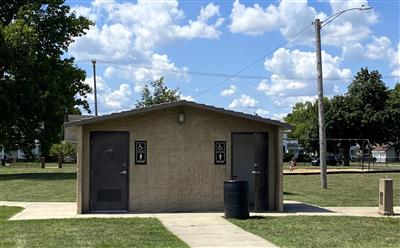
x=42 y=162
x=60 y=161
x=321 y=111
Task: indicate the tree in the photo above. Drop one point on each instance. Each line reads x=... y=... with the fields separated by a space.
x=393 y=115
x=367 y=111
x=63 y=150
x=159 y=94
x=36 y=83
x=304 y=118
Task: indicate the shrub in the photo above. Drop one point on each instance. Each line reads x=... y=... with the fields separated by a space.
x=63 y=150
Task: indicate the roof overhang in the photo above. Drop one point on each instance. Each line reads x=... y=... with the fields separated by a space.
x=182 y=103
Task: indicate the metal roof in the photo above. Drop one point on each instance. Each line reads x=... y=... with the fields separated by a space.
x=177 y=104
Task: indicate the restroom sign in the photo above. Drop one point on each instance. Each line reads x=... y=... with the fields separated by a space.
x=220 y=152
x=140 y=152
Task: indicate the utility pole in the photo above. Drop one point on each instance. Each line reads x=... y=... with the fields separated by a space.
x=321 y=111
x=94 y=87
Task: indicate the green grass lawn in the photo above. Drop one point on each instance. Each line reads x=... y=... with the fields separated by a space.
x=123 y=232
x=343 y=189
x=28 y=182
x=325 y=231
x=24 y=182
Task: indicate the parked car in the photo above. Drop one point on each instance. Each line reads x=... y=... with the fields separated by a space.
x=330 y=160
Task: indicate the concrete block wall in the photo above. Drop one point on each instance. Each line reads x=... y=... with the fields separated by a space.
x=180 y=174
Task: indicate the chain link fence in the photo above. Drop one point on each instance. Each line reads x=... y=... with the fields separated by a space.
x=342 y=155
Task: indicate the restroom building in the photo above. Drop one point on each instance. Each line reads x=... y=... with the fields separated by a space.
x=174 y=157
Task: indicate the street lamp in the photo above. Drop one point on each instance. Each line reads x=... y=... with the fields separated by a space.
x=321 y=112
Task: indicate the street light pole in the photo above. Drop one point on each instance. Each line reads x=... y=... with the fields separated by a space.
x=321 y=111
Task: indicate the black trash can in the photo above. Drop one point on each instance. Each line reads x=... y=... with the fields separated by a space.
x=236 y=203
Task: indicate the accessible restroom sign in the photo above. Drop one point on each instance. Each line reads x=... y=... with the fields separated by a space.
x=140 y=152
x=219 y=152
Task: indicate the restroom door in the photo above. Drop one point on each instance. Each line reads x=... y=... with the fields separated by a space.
x=109 y=171
x=260 y=171
x=249 y=163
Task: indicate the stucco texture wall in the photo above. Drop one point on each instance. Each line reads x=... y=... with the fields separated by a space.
x=180 y=174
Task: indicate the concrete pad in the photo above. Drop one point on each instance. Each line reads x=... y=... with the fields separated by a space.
x=45 y=210
x=210 y=230
x=363 y=211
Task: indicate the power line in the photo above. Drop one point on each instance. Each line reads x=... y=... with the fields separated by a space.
x=214 y=74
x=255 y=62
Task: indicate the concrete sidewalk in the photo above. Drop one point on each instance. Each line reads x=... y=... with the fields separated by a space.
x=210 y=230
x=196 y=229
x=61 y=210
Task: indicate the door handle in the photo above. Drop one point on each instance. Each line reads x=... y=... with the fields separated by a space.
x=123 y=172
x=255 y=172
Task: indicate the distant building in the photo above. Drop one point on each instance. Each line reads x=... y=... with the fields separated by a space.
x=291 y=145
x=385 y=153
x=19 y=154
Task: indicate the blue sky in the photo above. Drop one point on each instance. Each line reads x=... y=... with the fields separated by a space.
x=135 y=42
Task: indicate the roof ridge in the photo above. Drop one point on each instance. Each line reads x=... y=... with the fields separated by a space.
x=178 y=103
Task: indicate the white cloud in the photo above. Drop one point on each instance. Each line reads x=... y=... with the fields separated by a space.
x=109 y=72
x=160 y=65
x=395 y=62
x=380 y=48
x=254 y=20
x=146 y=24
x=187 y=98
x=289 y=17
x=129 y=34
x=336 y=89
x=243 y=101
x=294 y=76
x=230 y=91
x=279 y=116
x=108 y=99
x=110 y=42
x=262 y=112
x=290 y=101
x=84 y=11
x=200 y=28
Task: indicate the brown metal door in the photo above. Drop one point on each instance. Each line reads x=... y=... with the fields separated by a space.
x=109 y=170
x=249 y=163
x=243 y=160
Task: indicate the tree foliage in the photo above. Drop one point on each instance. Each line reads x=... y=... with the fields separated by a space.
x=157 y=93
x=63 y=150
x=367 y=111
x=304 y=117
x=37 y=81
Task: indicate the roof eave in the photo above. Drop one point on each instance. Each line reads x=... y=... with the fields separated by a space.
x=174 y=104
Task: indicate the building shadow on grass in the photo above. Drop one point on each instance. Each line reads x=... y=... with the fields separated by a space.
x=38 y=176
x=300 y=207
